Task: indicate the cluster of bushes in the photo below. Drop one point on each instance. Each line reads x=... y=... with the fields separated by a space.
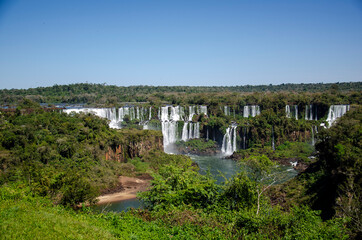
x=181 y=204
x=333 y=183
x=199 y=145
x=63 y=156
x=238 y=209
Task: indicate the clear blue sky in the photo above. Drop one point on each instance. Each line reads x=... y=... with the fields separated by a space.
x=196 y=42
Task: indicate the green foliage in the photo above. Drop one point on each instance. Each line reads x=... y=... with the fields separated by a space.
x=239 y=193
x=49 y=155
x=333 y=183
x=299 y=223
x=176 y=186
x=340 y=159
x=108 y=94
x=259 y=167
x=200 y=145
x=58 y=155
x=140 y=166
x=299 y=150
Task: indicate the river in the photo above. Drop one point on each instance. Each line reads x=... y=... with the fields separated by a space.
x=218 y=167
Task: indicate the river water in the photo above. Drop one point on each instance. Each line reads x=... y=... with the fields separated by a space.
x=220 y=168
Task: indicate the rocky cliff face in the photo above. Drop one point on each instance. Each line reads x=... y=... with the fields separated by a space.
x=135 y=143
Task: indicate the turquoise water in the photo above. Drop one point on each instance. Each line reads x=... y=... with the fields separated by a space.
x=217 y=166
x=120 y=206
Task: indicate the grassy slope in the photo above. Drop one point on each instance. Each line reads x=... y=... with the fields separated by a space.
x=26 y=217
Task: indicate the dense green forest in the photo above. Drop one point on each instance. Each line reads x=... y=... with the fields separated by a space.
x=110 y=95
x=51 y=162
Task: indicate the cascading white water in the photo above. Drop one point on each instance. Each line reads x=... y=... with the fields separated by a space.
x=185 y=134
x=122 y=112
x=287 y=111
x=169 y=127
x=255 y=110
x=229 y=141
x=176 y=113
x=169 y=116
x=164 y=114
x=309 y=109
x=138 y=113
x=191 y=112
x=226 y=111
x=108 y=113
x=246 y=112
x=202 y=110
x=335 y=112
x=290 y=112
x=191 y=130
x=169 y=132
x=252 y=110
x=234 y=139
x=111 y=114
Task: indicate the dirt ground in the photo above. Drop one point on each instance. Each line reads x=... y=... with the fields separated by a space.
x=130 y=187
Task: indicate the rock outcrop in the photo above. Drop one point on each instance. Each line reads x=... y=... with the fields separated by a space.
x=134 y=143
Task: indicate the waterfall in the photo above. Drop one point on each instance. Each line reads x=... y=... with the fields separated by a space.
x=335 y=112
x=190 y=130
x=311 y=112
x=169 y=124
x=287 y=111
x=203 y=110
x=312 y=132
x=192 y=112
x=169 y=132
x=291 y=112
x=108 y=113
x=226 y=111
x=255 y=110
x=175 y=113
x=169 y=117
x=246 y=112
x=234 y=139
x=251 y=110
x=164 y=114
x=185 y=135
x=229 y=141
x=197 y=130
